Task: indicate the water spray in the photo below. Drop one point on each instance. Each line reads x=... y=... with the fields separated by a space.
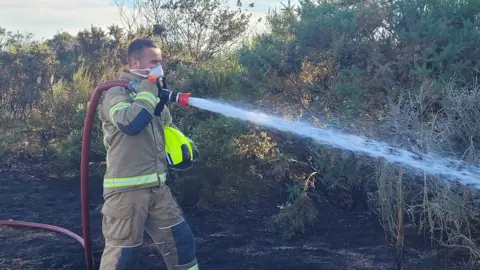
x=418 y=163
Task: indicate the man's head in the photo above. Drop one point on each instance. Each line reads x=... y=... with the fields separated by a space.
x=142 y=54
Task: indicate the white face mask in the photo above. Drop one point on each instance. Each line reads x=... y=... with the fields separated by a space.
x=145 y=72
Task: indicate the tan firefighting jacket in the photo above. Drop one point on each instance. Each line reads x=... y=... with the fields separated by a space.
x=133 y=137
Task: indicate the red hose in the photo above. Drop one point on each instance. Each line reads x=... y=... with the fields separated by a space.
x=86 y=242
x=42 y=226
x=87 y=132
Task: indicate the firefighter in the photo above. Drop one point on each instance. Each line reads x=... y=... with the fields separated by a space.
x=136 y=198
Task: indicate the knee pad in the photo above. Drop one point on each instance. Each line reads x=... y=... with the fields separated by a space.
x=121 y=258
x=184 y=242
x=129 y=257
x=178 y=248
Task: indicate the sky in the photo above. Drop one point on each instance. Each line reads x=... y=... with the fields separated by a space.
x=44 y=18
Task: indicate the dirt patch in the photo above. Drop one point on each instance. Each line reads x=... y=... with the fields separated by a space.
x=225 y=239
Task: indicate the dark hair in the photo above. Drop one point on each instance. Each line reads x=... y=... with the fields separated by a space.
x=136 y=47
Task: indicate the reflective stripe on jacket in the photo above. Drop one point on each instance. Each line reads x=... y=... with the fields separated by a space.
x=133 y=138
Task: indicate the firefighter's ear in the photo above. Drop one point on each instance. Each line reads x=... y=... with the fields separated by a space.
x=134 y=63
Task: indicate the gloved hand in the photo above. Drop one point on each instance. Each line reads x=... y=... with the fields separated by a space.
x=158 y=75
x=161 y=104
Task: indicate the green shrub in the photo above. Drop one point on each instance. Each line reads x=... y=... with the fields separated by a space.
x=242 y=160
x=220 y=78
x=294 y=217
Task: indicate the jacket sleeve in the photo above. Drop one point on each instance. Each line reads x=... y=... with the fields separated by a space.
x=129 y=115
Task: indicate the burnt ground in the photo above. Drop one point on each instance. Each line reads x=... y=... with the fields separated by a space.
x=225 y=239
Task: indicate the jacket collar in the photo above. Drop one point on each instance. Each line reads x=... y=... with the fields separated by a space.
x=127 y=75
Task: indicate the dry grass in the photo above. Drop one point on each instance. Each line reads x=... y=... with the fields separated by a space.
x=442 y=118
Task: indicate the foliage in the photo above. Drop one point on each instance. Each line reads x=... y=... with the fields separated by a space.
x=25 y=71
x=294 y=217
x=403 y=71
x=222 y=77
x=195 y=30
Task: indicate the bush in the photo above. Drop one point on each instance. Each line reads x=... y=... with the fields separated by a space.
x=294 y=217
x=70 y=150
x=243 y=161
x=220 y=78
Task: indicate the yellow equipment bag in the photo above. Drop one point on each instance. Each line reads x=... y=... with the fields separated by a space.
x=178 y=149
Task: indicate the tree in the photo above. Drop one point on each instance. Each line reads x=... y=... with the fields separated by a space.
x=26 y=68
x=195 y=29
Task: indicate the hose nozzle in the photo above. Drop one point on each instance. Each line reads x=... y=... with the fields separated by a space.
x=178 y=97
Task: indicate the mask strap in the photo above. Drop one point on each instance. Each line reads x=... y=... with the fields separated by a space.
x=134 y=71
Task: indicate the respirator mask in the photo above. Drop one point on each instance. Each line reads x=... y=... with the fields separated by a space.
x=145 y=72
x=156 y=72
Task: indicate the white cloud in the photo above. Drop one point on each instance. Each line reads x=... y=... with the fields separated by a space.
x=53 y=3
x=44 y=18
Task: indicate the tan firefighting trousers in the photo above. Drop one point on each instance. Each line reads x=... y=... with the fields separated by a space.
x=128 y=214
